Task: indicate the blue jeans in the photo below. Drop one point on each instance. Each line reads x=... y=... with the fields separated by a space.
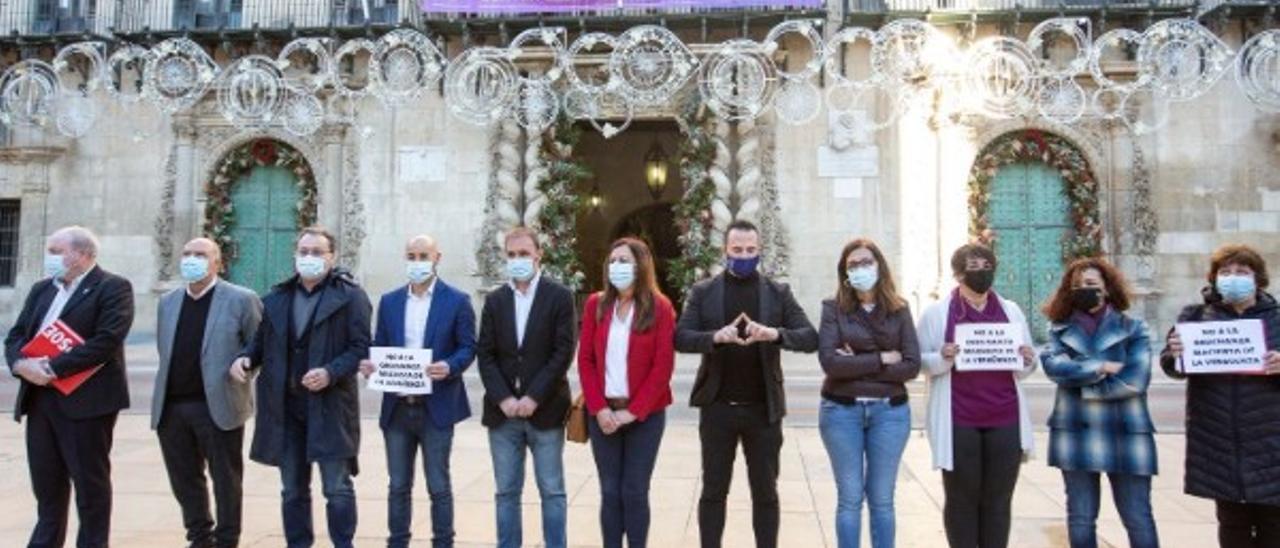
x=1132 y=496
x=625 y=461
x=339 y=492
x=865 y=443
x=409 y=430
x=507 y=444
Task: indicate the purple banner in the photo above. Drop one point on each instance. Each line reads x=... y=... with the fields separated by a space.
x=561 y=6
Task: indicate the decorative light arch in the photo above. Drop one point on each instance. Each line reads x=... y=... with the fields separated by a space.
x=219 y=212
x=1079 y=186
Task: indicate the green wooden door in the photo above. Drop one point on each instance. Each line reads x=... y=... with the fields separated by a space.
x=265 y=204
x=1028 y=211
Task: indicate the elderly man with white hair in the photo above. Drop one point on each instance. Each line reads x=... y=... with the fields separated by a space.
x=70 y=430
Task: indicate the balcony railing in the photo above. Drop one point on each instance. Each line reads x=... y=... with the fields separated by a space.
x=44 y=18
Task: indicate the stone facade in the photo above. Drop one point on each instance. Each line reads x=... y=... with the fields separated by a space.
x=138 y=180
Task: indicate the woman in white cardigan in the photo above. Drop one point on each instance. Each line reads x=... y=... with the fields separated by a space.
x=978 y=424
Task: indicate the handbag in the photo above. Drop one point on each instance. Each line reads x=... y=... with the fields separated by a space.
x=575 y=422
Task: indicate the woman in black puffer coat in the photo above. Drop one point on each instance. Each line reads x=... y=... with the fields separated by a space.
x=1233 y=420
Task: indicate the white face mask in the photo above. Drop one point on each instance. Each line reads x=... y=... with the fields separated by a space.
x=520 y=269
x=622 y=275
x=309 y=267
x=54 y=265
x=863 y=278
x=193 y=269
x=419 y=271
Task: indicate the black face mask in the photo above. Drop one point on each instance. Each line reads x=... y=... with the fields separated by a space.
x=1085 y=299
x=979 y=280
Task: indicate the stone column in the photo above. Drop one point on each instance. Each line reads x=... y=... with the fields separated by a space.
x=329 y=187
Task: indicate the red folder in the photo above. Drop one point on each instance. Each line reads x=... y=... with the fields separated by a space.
x=51 y=342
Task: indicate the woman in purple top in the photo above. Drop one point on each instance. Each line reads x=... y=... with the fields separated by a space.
x=978 y=424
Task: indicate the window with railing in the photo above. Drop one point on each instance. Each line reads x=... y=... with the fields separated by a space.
x=358 y=12
x=9 y=222
x=63 y=16
x=207 y=14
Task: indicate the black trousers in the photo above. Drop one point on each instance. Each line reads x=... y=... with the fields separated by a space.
x=189 y=440
x=62 y=452
x=1248 y=525
x=979 y=488
x=720 y=428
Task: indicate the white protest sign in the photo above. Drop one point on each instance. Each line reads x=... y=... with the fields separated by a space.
x=400 y=370
x=987 y=347
x=1222 y=347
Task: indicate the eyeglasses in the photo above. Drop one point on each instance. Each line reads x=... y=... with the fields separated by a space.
x=862 y=264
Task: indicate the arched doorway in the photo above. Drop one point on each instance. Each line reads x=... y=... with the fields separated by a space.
x=261 y=194
x=1033 y=195
x=624 y=205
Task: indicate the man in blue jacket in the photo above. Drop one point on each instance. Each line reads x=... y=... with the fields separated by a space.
x=314 y=332
x=425 y=313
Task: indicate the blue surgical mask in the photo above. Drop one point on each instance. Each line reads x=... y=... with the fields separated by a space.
x=622 y=275
x=742 y=267
x=54 y=265
x=863 y=278
x=1235 y=288
x=520 y=269
x=193 y=269
x=309 y=267
x=419 y=271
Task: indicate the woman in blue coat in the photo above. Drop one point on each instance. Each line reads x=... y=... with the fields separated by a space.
x=1100 y=359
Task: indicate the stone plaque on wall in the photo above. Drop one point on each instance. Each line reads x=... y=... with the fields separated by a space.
x=850 y=162
x=421 y=164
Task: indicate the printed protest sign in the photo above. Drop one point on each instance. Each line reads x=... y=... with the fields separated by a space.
x=400 y=370
x=987 y=347
x=1222 y=347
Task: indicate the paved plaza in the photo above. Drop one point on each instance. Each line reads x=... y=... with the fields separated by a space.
x=146 y=514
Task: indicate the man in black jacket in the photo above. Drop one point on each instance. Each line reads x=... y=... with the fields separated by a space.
x=739 y=321
x=314 y=332
x=526 y=342
x=69 y=436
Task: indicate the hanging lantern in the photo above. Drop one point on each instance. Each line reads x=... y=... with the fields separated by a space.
x=594 y=199
x=655 y=170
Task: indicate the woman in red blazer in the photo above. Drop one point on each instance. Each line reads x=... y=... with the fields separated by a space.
x=625 y=359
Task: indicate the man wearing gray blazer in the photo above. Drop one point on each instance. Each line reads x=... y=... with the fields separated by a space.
x=198 y=412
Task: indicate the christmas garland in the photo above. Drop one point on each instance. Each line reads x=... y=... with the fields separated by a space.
x=1081 y=189
x=558 y=219
x=219 y=213
x=699 y=249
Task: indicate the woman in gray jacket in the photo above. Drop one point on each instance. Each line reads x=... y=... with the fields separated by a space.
x=867 y=347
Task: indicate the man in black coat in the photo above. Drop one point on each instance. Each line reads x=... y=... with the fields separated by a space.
x=526 y=342
x=740 y=321
x=69 y=436
x=315 y=331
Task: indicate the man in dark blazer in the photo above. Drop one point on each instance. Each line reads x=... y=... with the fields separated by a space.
x=527 y=332
x=425 y=313
x=740 y=321
x=313 y=335
x=69 y=437
x=197 y=410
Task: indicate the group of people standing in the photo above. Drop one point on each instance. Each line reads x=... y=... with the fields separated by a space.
x=304 y=345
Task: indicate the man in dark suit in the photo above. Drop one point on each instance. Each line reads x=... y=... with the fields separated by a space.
x=425 y=313
x=69 y=437
x=527 y=331
x=197 y=411
x=740 y=321
x=309 y=345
